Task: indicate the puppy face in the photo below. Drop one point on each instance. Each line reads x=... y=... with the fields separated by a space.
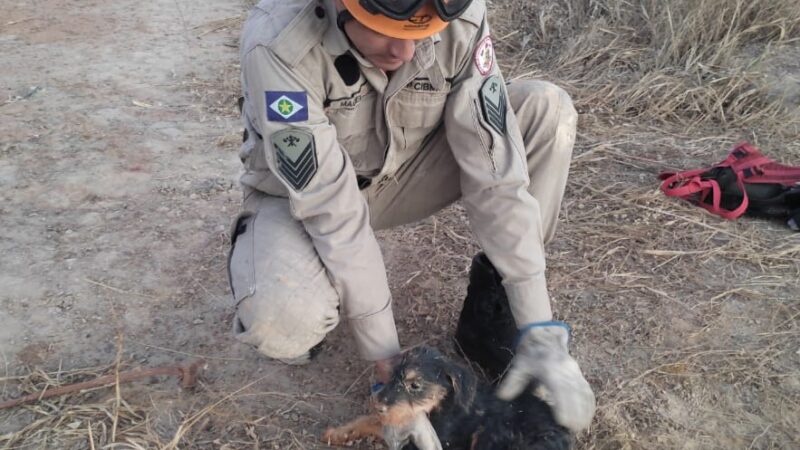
x=420 y=382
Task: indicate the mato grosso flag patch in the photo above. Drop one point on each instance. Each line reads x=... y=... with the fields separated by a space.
x=295 y=156
x=285 y=106
x=493 y=102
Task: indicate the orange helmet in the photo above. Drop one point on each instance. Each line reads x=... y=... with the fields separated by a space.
x=406 y=19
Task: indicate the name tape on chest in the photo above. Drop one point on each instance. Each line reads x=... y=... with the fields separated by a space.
x=421 y=85
x=287 y=106
x=295 y=156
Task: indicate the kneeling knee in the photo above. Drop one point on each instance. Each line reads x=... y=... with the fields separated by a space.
x=545 y=96
x=279 y=330
x=544 y=106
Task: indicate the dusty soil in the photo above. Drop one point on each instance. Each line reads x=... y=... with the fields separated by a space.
x=118 y=182
x=119 y=169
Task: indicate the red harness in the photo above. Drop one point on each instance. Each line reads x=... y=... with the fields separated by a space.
x=747 y=178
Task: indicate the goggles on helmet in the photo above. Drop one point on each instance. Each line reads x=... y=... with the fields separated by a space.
x=405 y=9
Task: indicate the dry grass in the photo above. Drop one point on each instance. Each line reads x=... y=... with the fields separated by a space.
x=146 y=415
x=78 y=421
x=686 y=324
x=680 y=61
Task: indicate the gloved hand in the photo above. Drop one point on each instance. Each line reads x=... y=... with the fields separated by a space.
x=542 y=355
x=420 y=432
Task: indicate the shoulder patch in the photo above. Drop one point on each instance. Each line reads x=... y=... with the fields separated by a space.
x=493 y=101
x=295 y=156
x=285 y=106
x=484 y=56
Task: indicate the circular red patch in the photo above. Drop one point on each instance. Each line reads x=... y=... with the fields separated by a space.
x=484 y=55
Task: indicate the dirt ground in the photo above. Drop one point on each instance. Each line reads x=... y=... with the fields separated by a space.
x=118 y=183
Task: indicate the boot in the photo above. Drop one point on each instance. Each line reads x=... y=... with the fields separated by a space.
x=486 y=329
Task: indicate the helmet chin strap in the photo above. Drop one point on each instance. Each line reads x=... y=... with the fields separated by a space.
x=342 y=18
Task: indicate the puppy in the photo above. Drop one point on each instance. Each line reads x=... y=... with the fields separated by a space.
x=463 y=410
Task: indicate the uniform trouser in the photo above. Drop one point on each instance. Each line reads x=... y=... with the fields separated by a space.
x=285 y=301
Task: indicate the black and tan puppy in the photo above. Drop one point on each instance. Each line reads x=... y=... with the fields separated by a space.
x=463 y=410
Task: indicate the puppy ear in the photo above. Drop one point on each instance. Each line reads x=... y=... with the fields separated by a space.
x=464 y=385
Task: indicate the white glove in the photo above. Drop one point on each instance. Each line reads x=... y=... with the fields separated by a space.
x=542 y=355
x=420 y=431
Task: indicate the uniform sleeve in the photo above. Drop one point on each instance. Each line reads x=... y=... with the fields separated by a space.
x=487 y=144
x=302 y=151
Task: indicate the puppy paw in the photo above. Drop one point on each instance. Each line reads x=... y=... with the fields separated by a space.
x=338 y=436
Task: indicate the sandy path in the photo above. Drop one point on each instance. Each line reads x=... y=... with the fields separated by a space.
x=112 y=179
x=118 y=183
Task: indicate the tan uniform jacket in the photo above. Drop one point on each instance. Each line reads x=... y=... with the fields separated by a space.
x=362 y=126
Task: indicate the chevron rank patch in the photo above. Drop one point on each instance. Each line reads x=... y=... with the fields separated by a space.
x=295 y=156
x=493 y=102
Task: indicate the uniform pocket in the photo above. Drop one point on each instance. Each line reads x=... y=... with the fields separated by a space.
x=354 y=119
x=418 y=109
x=417 y=115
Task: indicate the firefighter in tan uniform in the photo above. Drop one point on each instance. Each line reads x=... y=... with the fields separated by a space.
x=367 y=114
